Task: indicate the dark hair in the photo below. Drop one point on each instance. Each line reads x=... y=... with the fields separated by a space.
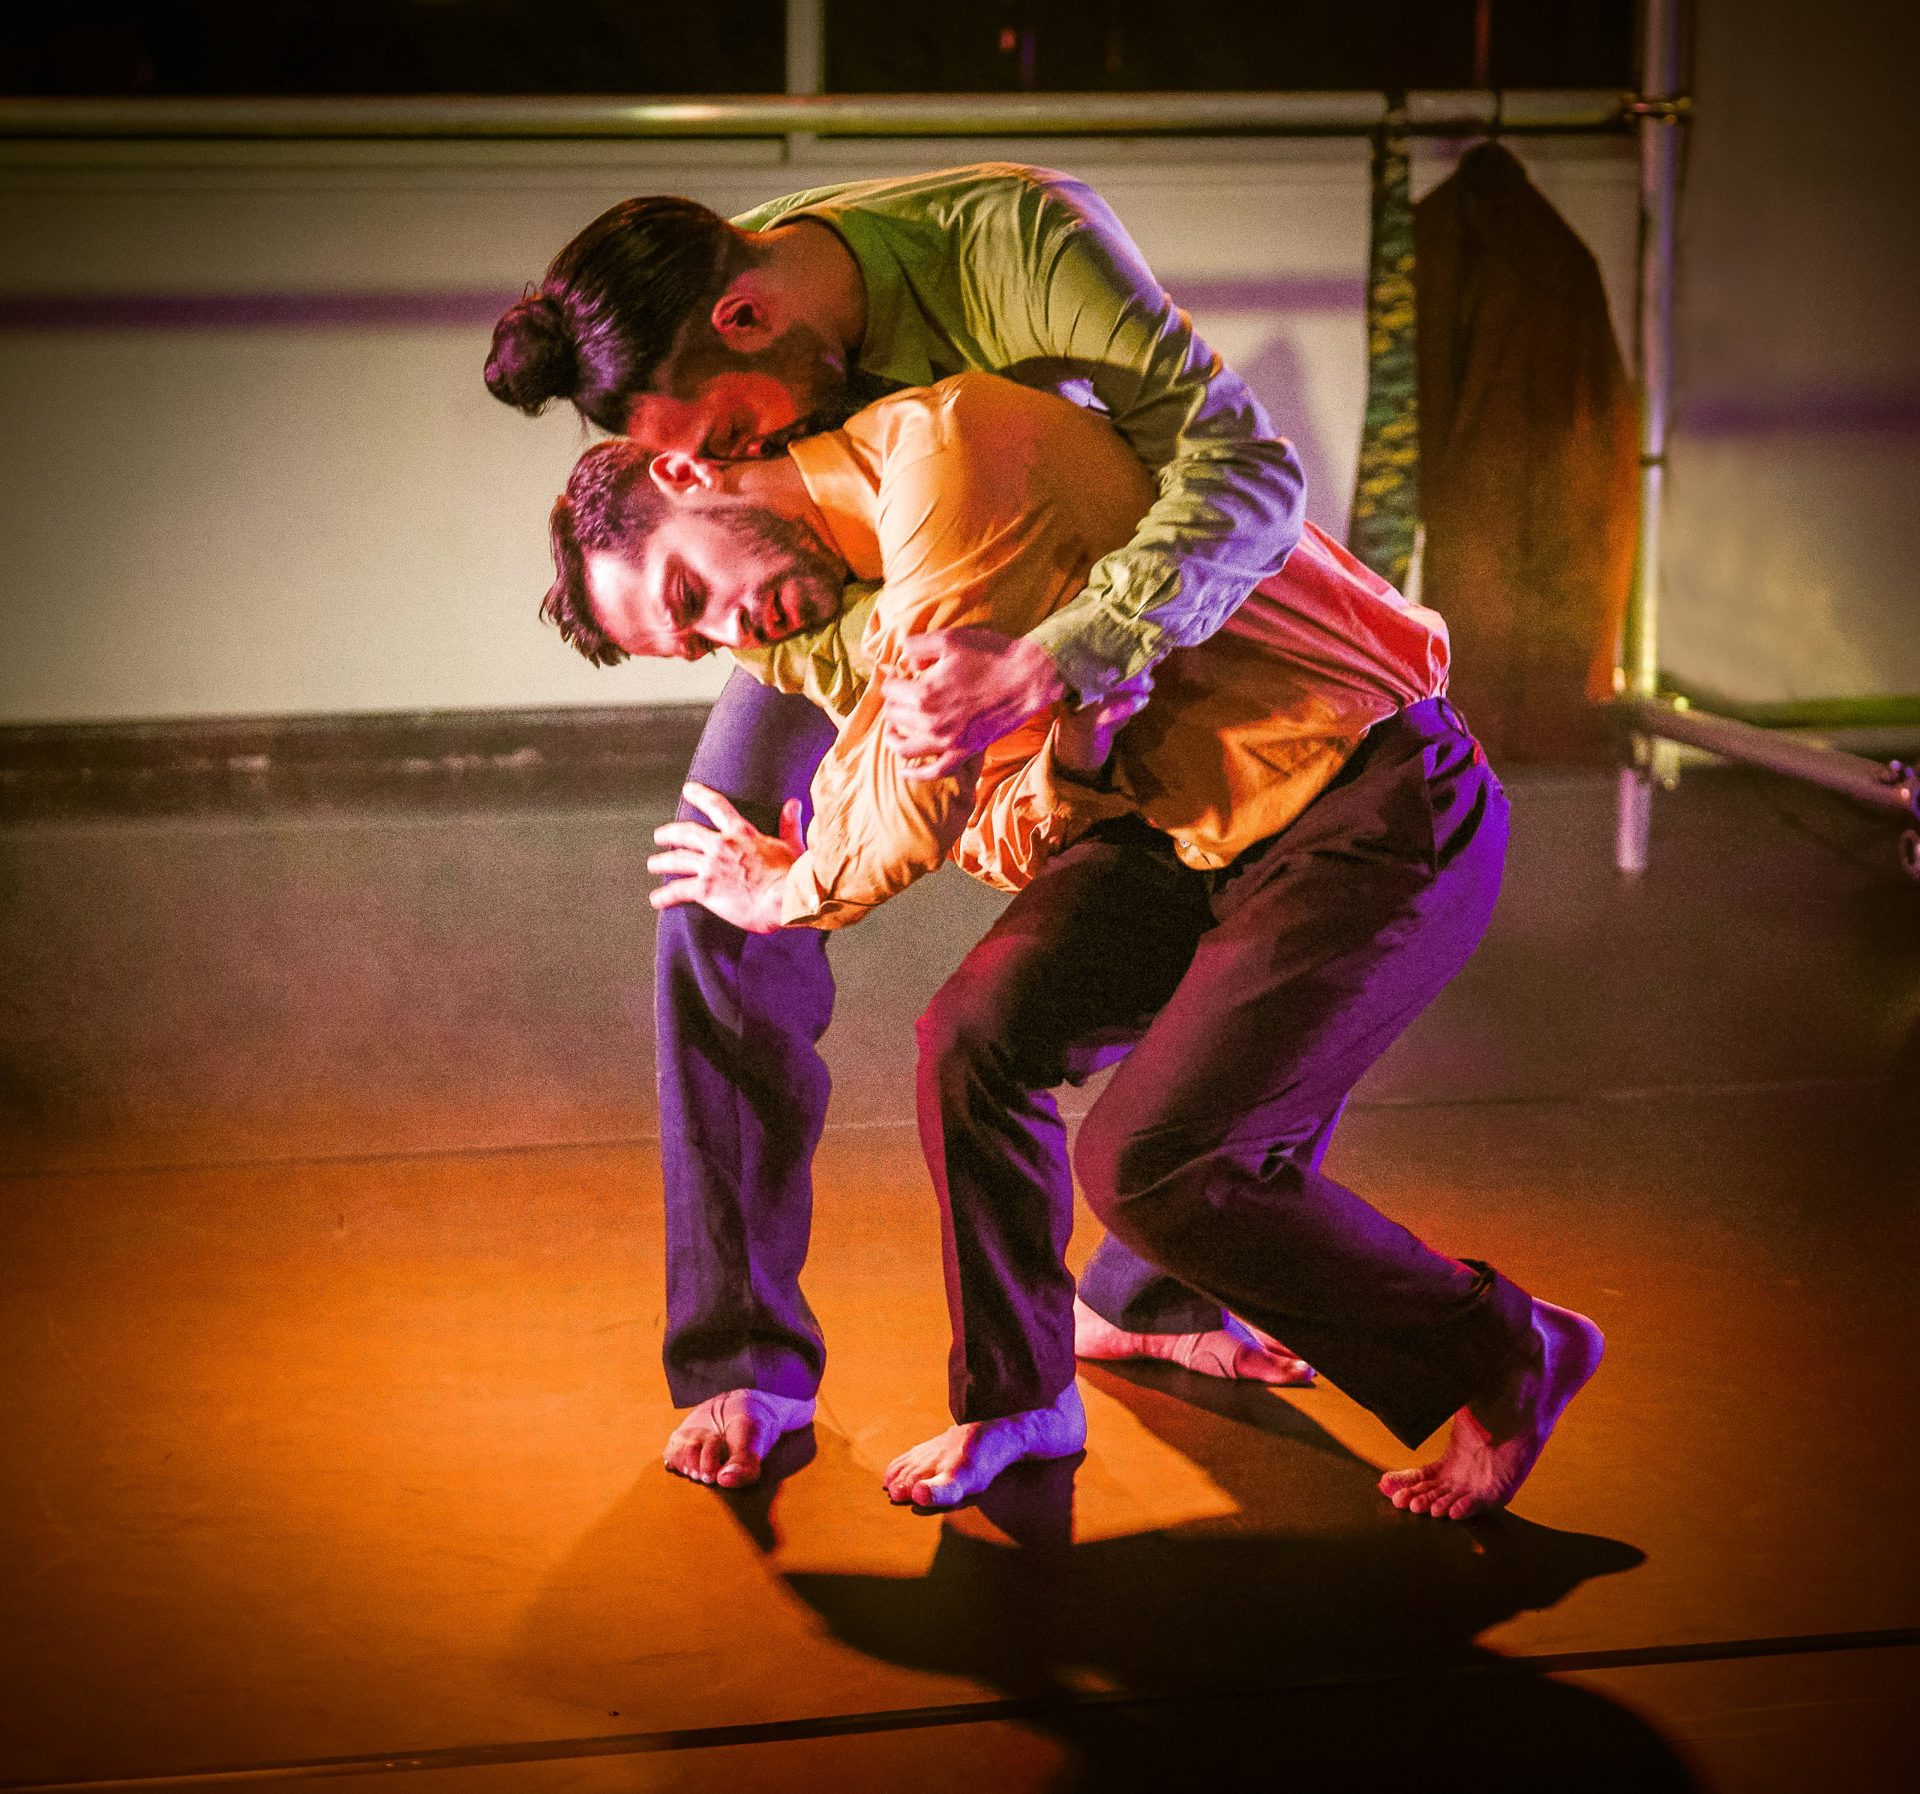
x=609 y=504
x=610 y=306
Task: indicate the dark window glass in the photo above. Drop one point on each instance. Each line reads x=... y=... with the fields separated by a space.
x=1183 y=46
x=396 y=46
x=1589 y=43
x=242 y=47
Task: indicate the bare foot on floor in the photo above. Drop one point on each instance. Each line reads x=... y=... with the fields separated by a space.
x=724 y=1440
x=959 y=1463
x=1256 y=1358
x=1495 y=1443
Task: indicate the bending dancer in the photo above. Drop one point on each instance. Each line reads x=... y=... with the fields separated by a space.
x=1255 y=887
x=664 y=321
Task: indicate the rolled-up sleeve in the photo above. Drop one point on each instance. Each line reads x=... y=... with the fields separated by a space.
x=874 y=830
x=1027 y=807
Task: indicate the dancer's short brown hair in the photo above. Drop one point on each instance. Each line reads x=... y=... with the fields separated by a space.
x=610 y=505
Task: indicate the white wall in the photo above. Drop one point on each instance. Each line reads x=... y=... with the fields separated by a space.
x=300 y=520
x=1794 y=526
x=309 y=519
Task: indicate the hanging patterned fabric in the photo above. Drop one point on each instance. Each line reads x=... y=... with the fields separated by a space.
x=1386 y=492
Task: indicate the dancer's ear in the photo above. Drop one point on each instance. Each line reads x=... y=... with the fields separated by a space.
x=742 y=318
x=680 y=475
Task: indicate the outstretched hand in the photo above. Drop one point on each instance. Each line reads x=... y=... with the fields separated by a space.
x=956 y=692
x=731 y=869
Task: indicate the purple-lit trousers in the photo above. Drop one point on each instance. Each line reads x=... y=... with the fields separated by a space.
x=743 y=1096
x=1244 y=1004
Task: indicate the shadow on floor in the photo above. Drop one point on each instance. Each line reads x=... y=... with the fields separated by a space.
x=1339 y=1655
x=1315 y=1638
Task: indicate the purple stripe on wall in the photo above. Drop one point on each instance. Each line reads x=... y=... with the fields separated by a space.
x=1307 y=292
x=478 y=310
x=1890 y=410
x=252 y=311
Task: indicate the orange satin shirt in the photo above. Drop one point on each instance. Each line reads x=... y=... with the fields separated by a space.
x=978 y=502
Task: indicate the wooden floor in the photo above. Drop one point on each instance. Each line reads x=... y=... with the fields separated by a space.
x=332 y=1303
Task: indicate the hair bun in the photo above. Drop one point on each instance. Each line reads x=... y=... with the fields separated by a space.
x=534 y=358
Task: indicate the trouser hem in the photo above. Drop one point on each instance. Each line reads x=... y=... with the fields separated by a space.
x=1477 y=1345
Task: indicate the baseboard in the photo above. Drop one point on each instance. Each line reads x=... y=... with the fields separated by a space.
x=436 y=758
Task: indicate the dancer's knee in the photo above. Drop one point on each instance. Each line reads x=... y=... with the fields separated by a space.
x=974 y=1024
x=950 y=1028
x=1132 y=1171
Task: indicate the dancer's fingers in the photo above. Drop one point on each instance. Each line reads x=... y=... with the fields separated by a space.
x=715 y=807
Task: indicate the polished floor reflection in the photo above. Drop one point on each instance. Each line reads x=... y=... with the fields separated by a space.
x=332 y=1306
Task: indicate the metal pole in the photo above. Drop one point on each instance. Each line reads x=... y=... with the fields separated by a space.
x=1659 y=131
x=1885 y=785
x=1432 y=113
x=806 y=59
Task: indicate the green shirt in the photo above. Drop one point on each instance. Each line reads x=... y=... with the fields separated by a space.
x=1028 y=273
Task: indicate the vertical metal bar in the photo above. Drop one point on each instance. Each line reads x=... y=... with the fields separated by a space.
x=1659 y=181
x=806 y=59
x=1633 y=811
x=1659 y=132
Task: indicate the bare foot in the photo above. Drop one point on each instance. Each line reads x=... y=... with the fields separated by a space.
x=1495 y=1443
x=1248 y=1356
x=724 y=1439
x=960 y=1462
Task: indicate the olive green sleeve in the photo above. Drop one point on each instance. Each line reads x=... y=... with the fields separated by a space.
x=1230 y=494
x=1028 y=273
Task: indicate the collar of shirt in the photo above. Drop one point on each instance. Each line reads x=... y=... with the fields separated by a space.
x=891 y=345
x=841 y=472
